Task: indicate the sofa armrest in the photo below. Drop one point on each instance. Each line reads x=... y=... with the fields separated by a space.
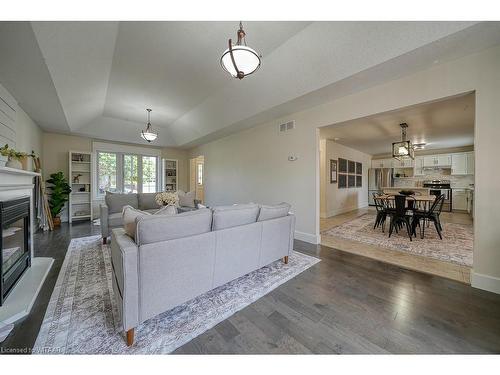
x=124 y=259
x=104 y=216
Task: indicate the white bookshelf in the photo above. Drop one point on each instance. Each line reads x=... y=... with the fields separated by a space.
x=170 y=174
x=80 y=180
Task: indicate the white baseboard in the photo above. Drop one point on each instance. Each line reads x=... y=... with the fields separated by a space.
x=485 y=282
x=306 y=237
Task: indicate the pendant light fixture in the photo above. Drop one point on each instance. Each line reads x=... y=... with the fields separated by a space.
x=148 y=134
x=404 y=149
x=239 y=60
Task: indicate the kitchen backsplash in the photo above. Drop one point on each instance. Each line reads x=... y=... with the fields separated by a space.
x=440 y=174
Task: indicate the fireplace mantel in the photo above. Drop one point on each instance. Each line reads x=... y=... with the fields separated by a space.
x=15 y=183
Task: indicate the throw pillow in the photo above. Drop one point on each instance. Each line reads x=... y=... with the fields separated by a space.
x=273 y=212
x=129 y=214
x=167 y=210
x=186 y=199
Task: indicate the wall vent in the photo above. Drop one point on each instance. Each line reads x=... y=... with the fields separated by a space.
x=286 y=127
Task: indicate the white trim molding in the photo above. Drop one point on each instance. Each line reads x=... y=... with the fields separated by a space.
x=485 y=282
x=307 y=237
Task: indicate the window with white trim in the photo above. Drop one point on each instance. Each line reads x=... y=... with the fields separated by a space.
x=126 y=173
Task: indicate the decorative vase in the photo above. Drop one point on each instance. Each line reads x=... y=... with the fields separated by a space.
x=57 y=221
x=24 y=162
x=13 y=163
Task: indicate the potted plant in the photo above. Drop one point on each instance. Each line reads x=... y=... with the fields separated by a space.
x=59 y=196
x=16 y=159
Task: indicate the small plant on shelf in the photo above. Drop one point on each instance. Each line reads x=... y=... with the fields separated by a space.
x=59 y=195
x=16 y=159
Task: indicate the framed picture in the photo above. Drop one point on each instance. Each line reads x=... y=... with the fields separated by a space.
x=359 y=168
x=351 y=181
x=342 y=165
x=359 y=181
x=352 y=167
x=342 y=181
x=333 y=171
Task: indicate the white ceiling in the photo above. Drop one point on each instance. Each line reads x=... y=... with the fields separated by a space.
x=442 y=124
x=97 y=78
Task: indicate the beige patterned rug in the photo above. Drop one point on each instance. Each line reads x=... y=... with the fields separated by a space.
x=455 y=247
x=82 y=316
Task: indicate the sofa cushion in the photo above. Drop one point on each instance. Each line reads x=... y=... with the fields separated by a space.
x=147 y=201
x=273 y=212
x=157 y=228
x=116 y=201
x=167 y=210
x=129 y=217
x=115 y=220
x=232 y=216
x=186 y=199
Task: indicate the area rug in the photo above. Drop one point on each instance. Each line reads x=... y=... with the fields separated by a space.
x=455 y=247
x=81 y=317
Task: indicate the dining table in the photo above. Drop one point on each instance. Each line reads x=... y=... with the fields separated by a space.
x=422 y=202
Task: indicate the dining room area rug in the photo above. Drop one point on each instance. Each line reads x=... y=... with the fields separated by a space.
x=456 y=245
x=82 y=315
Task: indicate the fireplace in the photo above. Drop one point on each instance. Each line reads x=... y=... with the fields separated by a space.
x=15 y=254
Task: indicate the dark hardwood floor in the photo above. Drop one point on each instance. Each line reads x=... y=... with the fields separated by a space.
x=344 y=304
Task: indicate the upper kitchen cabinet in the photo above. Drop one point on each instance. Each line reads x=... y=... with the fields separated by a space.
x=462 y=163
x=382 y=163
x=405 y=163
x=418 y=169
x=441 y=160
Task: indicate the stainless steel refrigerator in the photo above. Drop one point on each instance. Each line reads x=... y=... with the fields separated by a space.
x=378 y=178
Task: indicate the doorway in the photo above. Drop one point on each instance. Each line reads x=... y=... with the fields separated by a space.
x=442 y=138
x=197 y=177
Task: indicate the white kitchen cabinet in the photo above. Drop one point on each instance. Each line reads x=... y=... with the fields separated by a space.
x=440 y=160
x=470 y=202
x=443 y=160
x=459 y=199
x=462 y=163
x=405 y=163
x=382 y=163
x=470 y=163
x=418 y=169
x=430 y=161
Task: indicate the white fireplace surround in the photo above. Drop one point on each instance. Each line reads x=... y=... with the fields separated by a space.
x=15 y=183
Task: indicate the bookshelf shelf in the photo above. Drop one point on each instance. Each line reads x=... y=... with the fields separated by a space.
x=80 y=175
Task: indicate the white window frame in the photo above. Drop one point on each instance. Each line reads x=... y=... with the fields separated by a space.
x=121 y=150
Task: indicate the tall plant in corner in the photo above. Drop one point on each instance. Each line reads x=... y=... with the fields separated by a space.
x=59 y=196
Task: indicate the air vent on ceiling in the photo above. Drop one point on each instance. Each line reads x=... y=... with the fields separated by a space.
x=286 y=127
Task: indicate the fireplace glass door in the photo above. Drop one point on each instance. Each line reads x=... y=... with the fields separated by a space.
x=14 y=244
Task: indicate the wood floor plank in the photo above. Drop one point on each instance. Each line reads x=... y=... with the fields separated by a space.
x=344 y=304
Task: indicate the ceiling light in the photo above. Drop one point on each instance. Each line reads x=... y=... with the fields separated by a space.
x=148 y=134
x=404 y=149
x=239 y=60
x=419 y=146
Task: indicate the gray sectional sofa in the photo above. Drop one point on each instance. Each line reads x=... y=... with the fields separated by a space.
x=111 y=211
x=174 y=259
